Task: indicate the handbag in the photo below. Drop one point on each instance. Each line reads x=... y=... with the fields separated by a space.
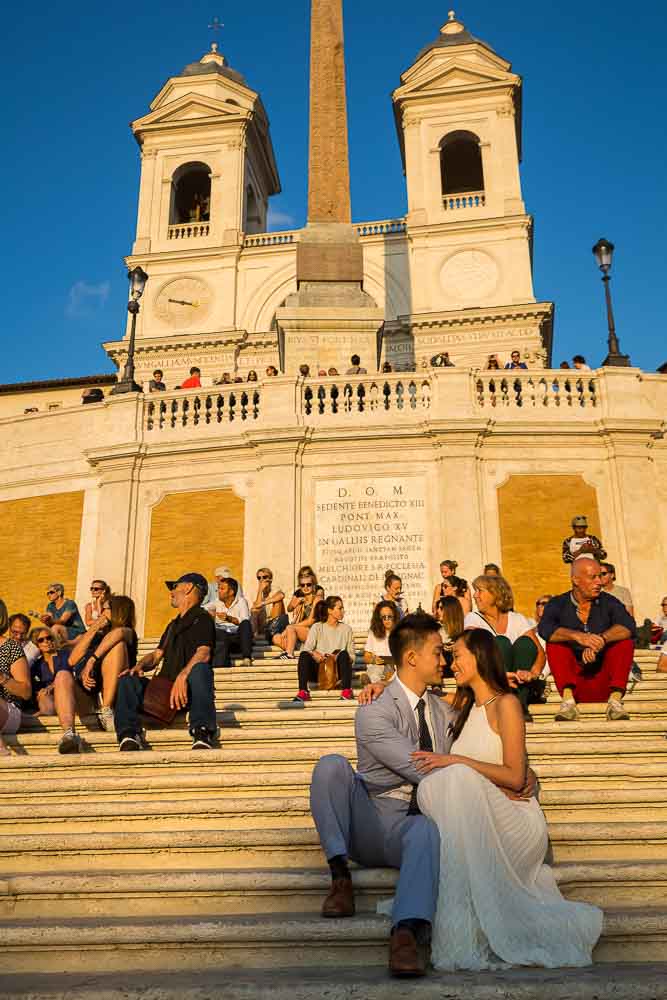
x=156 y=700
x=327 y=672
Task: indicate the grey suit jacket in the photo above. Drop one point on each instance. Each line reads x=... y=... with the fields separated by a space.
x=386 y=732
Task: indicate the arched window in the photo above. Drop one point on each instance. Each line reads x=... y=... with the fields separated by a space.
x=461 y=163
x=190 y=194
x=253 y=216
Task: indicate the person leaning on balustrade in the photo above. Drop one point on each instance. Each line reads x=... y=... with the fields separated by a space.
x=377 y=655
x=515 y=637
x=15 y=689
x=590 y=644
x=106 y=651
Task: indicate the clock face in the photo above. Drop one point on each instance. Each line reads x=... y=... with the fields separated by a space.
x=183 y=302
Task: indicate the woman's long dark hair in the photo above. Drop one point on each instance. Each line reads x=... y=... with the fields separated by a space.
x=490 y=668
x=377 y=625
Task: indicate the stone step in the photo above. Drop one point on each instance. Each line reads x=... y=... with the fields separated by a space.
x=295 y=940
x=69 y=894
x=623 y=981
x=192 y=811
x=293 y=846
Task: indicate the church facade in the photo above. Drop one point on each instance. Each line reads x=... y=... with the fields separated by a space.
x=358 y=473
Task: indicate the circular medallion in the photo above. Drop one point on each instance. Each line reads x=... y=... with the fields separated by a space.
x=183 y=302
x=469 y=275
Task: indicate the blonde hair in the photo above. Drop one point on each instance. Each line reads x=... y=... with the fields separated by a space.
x=499 y=588
x=44 y=630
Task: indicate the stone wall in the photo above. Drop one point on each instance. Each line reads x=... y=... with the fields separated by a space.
x=535 y=515
x=191 y=532
x=40 y=546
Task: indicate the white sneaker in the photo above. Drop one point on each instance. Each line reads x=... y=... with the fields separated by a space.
x=568 y=712
x=105 y=719
x=616 y=711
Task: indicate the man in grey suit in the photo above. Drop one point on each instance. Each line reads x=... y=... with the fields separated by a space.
x=371 y=816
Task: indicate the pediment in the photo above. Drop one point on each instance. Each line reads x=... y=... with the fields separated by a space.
x=437 y=74
x=189 y=108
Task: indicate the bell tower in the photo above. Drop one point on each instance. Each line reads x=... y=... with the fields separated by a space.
x=458 y=117
x=207 y=172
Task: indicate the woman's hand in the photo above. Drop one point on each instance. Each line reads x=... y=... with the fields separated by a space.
x=370 y=693
x=87 y=678
x=425 y=762
x=526 y=676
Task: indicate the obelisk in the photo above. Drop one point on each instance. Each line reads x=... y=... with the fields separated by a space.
x=330 y=317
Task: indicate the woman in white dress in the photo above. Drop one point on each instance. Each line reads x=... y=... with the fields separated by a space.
x=498 y=902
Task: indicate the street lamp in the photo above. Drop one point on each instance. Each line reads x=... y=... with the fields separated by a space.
x=604 y=251
x=137 y=278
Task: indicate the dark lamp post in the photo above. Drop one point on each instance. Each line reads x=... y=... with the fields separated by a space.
x=137 y=278
x=603 y=252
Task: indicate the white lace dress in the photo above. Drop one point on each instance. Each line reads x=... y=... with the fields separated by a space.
x=498 y=902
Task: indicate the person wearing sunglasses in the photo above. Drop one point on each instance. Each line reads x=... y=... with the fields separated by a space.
x=19 y=631
x=62 y=615
x=268 y=613
x=302 y=607
x=15 y=689
x=377 y=655
x=100 y=594
x=53 y=692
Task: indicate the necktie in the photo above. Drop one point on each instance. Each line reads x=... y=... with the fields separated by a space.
x=425 y=743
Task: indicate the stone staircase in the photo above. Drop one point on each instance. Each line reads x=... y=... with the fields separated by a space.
x=197 y=870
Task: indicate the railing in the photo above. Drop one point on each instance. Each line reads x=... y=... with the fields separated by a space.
x=385 y=228
x=470 y=199
x=533 y=391
x=272 y=239
x=331 y=396
x=188 y=231
x=206 y=407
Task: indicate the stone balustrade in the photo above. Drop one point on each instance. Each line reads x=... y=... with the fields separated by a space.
x=387 y=227
x=272 y=239
x=530 y=391
x=468 y=199
x=188 y=231
x=396 y=394
x=384 y=227
x=189 y=409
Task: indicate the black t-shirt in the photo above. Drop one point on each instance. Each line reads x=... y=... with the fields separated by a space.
x=182 y=637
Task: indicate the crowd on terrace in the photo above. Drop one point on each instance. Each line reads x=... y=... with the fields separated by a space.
x=64 y=663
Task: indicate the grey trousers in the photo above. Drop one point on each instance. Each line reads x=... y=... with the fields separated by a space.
x=376 y=833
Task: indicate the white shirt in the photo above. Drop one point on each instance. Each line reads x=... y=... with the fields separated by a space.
x=517 y=625
x=414 y=700
x=378 y=647
x=237 y=609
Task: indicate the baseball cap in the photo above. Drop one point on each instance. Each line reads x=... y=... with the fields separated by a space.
x=580 y=521
x=224 y=572
x=194 y=578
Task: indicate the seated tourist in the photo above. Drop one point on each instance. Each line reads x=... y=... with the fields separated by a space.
x=62 y=615
x=330 y=636
x=661 y=621
x=622 y=594
x=515 y=636
x=100 y=594
x=540 y=605
x=267 y=614
x=302 y=607
x=393 y=591
x=450 y=617
x=581 y=542
x=184 y=657
x=377 y=655
x=220 y=573
x=15 y=687
x=19 y=631
x=492 y=569
x=447 y=569
x=456 y=586
x=106 y=651
x=662 y=660
x=53 y=690
x=233 y=630
x=590 y=643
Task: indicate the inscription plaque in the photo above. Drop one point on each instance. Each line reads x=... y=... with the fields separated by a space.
x=363 y=527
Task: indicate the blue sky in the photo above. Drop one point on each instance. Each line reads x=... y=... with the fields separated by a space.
x=595 y=149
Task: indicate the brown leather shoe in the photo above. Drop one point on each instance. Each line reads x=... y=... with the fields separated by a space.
x=406 y=956
x=340 y=901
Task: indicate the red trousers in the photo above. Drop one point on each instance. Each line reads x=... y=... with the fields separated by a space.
x=591 y=681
